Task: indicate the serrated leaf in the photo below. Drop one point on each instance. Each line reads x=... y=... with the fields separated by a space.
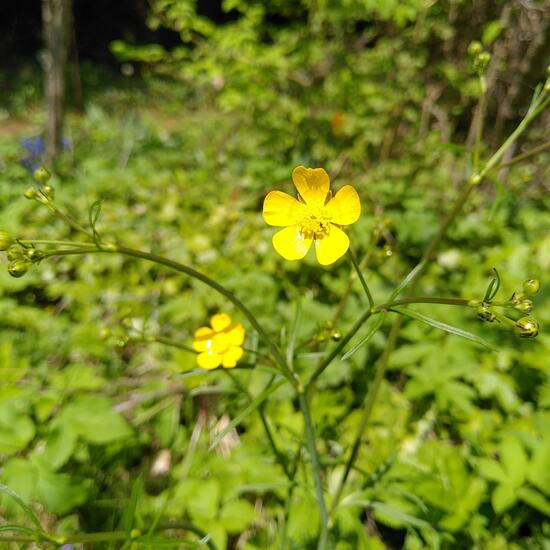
x=445 y=327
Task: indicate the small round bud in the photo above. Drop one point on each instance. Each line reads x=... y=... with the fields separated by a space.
x=15 y=252
x=18 y=268
x=31 y=193
x=485 y=313
x=527 y=327
x=475 y=48
x=5 y=240
x=525 y=306
x=41 y=175
x=336 y=335
x=35 y=255
x=48 y=191
x=481 y=62
x=531 y=286
x=475 y=179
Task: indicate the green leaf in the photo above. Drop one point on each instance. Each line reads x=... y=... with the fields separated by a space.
x=534 y=499
x=406 y=281
x=445 y=327
x=254 y=404
x=514 y=460
x=373 y=330
x=538 y=471
x=59 y=447
x=4 y=489
x=237 y=515
x=398 y=516
x=92 y=417
x=504 y=496
x=16 y=430
x=490 y=469
x=128 y=518
x=493 y=287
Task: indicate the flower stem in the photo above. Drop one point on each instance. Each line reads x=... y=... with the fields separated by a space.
x=315 y=468
x=361 y=278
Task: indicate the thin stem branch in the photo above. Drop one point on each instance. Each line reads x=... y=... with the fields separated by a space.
x=315 y=468
x=423 y=300
x=532 y=152
x=372 y=393
x=361 y=278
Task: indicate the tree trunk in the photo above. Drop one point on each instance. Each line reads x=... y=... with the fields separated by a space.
x=56 y=17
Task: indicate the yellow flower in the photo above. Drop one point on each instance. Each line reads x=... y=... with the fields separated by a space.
x=315 y=217
x=220 y=343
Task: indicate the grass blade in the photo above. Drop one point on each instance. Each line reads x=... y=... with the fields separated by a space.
x=28 y=511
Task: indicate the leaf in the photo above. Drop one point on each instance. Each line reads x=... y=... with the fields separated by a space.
x=539 y=471
x=490 y=469
x=445 y=327
x=92 y=417
x=514 y=460
x=493 y=287
x=19 y=501
x=406 y=281
x=254 y=404
x=293 y=333
x=397 y=515
x=237 y=515
x=373 y=330
x=534 y=499
x=93 y=216
x=128 y=518
x=503 y=497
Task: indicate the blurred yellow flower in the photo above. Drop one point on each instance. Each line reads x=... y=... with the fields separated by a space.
x=220 y=343
x=316 y=216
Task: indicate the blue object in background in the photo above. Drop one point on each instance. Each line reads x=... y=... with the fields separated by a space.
x=34 y=146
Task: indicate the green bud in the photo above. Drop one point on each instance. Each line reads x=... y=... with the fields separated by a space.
x=41 y=175
x=336 y=335
x=5 y=240
x=475 y=179
x=527 y=327
x=48 y=191
x=31 y=193
x=35 y=255
x=481 y=62
x=475 y=48
x=18 y=268
x=484 y=312
x=525 y=306
x=531 y=286
x=15 y=252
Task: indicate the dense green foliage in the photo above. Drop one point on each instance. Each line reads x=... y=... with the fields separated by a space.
x=102 y=432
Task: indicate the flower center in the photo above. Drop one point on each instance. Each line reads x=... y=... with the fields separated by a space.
x=316 y=224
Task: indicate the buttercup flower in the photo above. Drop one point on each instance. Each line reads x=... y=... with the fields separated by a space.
x=315 y=217
x=220 y=343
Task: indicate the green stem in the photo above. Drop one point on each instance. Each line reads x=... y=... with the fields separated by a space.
x=315 y=468
x=423 y=300
x=532 y=152
x=67 y=219
x=56 y=243
x=338 y=349
x=361 y=278
x=480 y=116
x=367 y=411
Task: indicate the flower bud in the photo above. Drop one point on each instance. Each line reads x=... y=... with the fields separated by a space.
x=15 y=252
x=475 y=48
x=48 y=191
x=525 y=306
x=35 y=255
x=485 y=313
x=41 y=175
x=475 y=179
x=31 y=193
x=5 y=240
x=18 y=268
x=336 y=335
x=527 y=327
x=531 y=286
x=481 y=62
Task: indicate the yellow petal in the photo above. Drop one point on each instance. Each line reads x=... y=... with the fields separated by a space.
x=282 y=210
x=313 y=184
x=231 y=356
x=203 y=339
x=209 y=359
x=290 y=244
x=331 y=247
x=220 y=321
x=236 y=334
x=345 y=207
x=220 y=343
